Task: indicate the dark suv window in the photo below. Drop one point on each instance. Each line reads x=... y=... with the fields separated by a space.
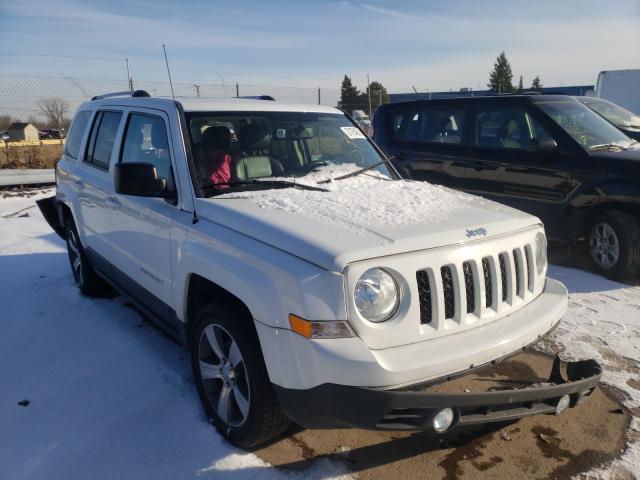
x=76 y=132
x=430 y=125
x=146 y=141
x=507 y=127
x=103 y=136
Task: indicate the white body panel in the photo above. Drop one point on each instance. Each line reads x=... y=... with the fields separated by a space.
x=621 y=87
x=277 y=263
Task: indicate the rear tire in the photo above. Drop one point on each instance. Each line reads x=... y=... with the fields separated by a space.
x=613 y=244
x=232 y=379
x=88 y=281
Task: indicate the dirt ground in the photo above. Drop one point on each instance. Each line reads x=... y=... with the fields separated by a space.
x=546 y=446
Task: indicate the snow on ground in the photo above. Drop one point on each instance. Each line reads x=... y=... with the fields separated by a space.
x=110 y=397
x=603 y=322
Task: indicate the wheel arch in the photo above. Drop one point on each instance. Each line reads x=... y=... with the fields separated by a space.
x=202 y=291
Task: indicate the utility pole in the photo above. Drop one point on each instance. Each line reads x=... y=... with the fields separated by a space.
x=237 y=90
x=197 y=88
x=129 y=79
x=319 y=102
x=369 y=94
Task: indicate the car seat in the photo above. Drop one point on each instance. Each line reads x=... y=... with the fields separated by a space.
x=256 y=162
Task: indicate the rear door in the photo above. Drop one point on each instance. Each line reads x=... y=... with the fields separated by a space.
x=94 y=182
x=508 y=164
x=140 y=228
x=428 y=142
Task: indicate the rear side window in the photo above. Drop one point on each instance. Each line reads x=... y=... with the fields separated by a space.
x=509 y=127
x=428 y=125
x=76 y=133
x=146 y=141
x=103 y=137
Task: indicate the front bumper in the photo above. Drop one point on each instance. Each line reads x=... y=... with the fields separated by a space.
x=339 y=406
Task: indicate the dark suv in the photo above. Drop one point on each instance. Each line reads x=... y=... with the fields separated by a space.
x=549 y=155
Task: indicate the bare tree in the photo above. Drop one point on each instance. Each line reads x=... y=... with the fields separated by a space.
x=54 y=109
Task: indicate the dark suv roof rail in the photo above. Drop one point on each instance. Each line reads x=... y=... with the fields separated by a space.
x=259 y=97
x=135 y=93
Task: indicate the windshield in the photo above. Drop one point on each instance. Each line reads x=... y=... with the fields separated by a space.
x=586 y=127
x=260 y=150
x=615 y=114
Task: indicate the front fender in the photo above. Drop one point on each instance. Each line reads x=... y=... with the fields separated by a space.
x=270 y=282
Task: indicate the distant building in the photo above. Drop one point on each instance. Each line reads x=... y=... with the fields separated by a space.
x=578 y=90
x=22 y=131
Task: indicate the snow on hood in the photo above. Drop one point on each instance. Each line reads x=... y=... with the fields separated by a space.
x=359 y=217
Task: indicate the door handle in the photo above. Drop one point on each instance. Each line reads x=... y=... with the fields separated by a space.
x=79 y=183
x=401 y=156
x=478 y=166
x=113 y=202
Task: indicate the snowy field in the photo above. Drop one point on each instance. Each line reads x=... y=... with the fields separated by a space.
x=88 y=390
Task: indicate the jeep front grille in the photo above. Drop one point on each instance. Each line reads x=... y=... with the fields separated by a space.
x=475 y=288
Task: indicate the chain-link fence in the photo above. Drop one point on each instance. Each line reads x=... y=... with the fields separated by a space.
x=21 y=96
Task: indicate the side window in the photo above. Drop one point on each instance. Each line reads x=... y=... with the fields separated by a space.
x=103 y=137
x=76 y=132
x=429 y=125
x=509 y=127
x=146 y=141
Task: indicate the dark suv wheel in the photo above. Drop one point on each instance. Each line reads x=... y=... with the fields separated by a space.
x=613 y=243
x=88 y=281
x=232 y=379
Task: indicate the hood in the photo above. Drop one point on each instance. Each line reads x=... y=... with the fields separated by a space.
x=361 y=218
x=622 y=162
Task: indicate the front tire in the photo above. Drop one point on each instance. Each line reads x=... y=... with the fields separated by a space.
x=87 y=280
x=613 y=243
x=232 y=380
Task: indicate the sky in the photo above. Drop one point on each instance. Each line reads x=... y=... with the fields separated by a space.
x=433 y=46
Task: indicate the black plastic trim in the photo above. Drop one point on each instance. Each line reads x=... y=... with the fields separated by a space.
x=340 y=406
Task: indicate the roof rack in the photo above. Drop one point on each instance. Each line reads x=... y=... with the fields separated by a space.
x=259 y=97
x=135 y=93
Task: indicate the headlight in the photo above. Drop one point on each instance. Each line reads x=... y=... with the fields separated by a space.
x=376 y=295
x=541 y=252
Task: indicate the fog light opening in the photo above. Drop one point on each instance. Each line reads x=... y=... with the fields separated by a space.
x=443 y=420
x=563 y=404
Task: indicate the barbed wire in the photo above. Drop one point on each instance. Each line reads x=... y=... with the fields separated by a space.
x=20 y=94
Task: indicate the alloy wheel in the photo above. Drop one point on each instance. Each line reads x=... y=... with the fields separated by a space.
x=224 y=375
x=604 y=245
x=75 y=257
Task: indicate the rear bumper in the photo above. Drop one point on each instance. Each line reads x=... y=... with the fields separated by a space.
x=339 y=406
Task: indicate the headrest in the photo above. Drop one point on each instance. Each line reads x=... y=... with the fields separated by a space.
x=158 y=136
x=254 y=137
x=216 y=138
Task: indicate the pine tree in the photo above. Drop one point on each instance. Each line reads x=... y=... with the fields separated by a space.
x=520 y=86
x=379 y=95
x=536 y=85
x=349 y=95
x=501 y=76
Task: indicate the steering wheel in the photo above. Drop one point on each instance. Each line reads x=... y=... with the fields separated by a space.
x=356 y=156
x=311 y=166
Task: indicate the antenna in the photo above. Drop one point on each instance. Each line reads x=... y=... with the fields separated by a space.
x=168 y=71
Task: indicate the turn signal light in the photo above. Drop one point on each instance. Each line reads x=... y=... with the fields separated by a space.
x=316 y=329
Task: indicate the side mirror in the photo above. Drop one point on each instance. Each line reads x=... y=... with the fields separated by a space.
x=545 y=145
x=140 y=180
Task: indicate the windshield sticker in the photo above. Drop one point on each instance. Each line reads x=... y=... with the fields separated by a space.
x=352 y=132
x=281 y=133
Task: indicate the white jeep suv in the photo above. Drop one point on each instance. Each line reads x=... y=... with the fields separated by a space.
x=307 y=280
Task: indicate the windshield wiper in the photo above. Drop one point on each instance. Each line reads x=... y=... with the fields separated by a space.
x=606 y=146
x=353 y=174
x=275 y=183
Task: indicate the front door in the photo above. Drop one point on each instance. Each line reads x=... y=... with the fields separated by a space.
x=512 y=162
x=140 y=228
